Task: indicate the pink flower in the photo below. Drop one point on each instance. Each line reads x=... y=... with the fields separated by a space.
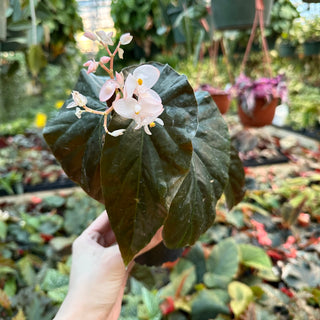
x=304 y=219
x=263 y=238
x=290 y=241
x=108 y=89
x=92 y=66
x=261 y=234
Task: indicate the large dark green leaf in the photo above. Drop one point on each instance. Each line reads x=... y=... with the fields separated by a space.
x=77 y=143
x=140 y=174
x=134 y=175
x=173 y=177
x=235 y=190
x=192 y=210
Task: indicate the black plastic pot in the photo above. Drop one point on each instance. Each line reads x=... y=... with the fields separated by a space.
x=237 y=14
x=311 y=48
x=286 y=50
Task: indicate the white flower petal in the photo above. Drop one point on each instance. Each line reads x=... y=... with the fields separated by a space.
x=148 y=74
x=150 y=109
x=149 y=94
x=105 y=37
x=139 y=125
x=117 y=133
x=79 y=99
x=130 y=85
x=90 y=35
x=120 y=79
x=160 y=121
x=125 y=107
x=107 y=90
x=125 y=38
x=147 y=130
x=120 y=53
x=71 y=105
x=78 y=112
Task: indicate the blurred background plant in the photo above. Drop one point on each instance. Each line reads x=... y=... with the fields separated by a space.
x=37 y=48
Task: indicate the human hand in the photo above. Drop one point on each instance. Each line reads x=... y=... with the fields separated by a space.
x=98 y=275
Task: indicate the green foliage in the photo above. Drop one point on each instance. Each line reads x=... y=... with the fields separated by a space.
x=18 y=107
x=222 y=264
x=35 y=253
x=55 y=28
x=283 y=14
x=143 y=19
x=241 y=295
x=306 y=99
x=252 y=256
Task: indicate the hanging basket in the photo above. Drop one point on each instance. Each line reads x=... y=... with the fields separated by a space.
x=262 y=114
x=220 y=97
x=237 y=14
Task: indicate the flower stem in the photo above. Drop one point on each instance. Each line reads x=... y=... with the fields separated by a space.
x=93 y=111
x=105 y=119
x=107 y=69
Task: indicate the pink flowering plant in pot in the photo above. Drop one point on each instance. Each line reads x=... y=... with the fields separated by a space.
x=258 y=99
x=140 y=141
x=248 y=90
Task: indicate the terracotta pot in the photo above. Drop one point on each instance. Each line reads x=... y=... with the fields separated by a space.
x=220 y=97
x=262 y=114
x=222 y=101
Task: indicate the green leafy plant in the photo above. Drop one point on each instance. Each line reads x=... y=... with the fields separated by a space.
x=41 y=29
x=171 y=176
x=283 y=13
x=144 y=20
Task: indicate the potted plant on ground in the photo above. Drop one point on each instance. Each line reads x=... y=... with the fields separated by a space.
x=290 y=39
x=311 y=36
x=221 y=97
x=258 y=99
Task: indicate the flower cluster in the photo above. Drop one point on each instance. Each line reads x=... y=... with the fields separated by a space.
x=261 y=234
x=132 y=97
x=247 y=90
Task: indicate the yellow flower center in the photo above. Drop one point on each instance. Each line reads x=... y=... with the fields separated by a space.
x=152 y=124
x=140 y=81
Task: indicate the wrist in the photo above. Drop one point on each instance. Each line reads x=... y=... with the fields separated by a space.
x=74 y=309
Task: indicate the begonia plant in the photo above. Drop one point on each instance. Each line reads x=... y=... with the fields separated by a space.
x=247 y=90
x=144 y=144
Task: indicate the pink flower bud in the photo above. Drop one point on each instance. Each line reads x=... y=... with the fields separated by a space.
x=90 y=36
x=105 y=37
x=92 y=66
x=105 y=59
x=125 y=38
